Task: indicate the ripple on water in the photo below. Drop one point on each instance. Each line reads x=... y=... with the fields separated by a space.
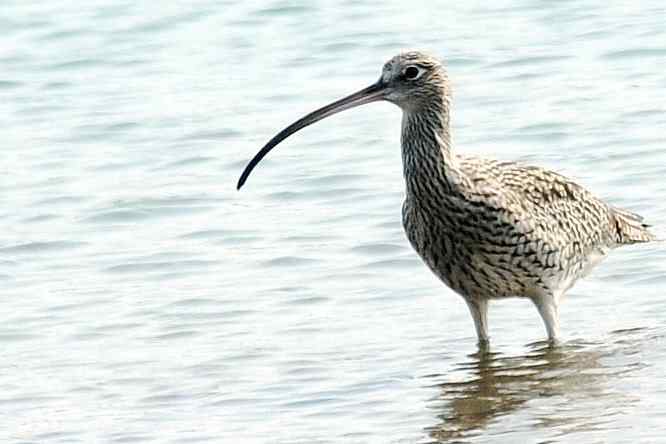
x=113 y=165
x=58 y=85
x=198 y=316
x=179 y=266
x=160 y=24
x=223 y=237
x=10 y=84
x=195 y=302
x=75 y=65
x=459 y=61
x=118 y=216
x=528 y=61
x=8 y=335
x=283 y=9
x=143 y=209
x=305 y=300
x=110 y=131
x=46 y=247
x=68 y=436
x=635 y=53
x=288 y=196
x=130 y=438
x=213 y=234
x=289 y=261
x=194 y=161
x=310 y=239
x=335 y=192
x=224 y=133
x=74 y=307
x=328 y=180
x=400 y=264
x=118 y=327
x=378 y=249
x=171 y=336
x=41 y=218
x=63 y=34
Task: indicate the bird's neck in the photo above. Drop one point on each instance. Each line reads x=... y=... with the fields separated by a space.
x=428 y=163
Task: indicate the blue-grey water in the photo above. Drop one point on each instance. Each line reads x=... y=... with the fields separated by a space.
x=144 y=299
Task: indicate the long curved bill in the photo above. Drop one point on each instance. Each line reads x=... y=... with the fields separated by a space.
x=372 y=93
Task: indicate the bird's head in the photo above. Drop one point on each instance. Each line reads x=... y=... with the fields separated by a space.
x=412 y=80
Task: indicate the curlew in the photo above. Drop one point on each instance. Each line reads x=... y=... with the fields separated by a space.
x=488 y=229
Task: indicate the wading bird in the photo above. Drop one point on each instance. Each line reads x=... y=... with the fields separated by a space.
x=488 y=229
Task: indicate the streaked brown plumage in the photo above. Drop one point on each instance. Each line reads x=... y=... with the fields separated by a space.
x=488 y=229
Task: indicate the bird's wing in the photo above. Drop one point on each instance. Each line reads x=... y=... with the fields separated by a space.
x=544 y=205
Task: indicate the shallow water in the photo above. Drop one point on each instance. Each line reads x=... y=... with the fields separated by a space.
x=145 y=299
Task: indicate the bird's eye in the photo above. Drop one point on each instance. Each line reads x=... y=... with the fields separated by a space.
x=413 y=72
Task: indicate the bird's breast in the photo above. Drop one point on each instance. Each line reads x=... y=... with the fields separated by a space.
x=471 y=259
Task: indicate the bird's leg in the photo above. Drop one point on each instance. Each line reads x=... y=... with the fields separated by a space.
x=547 y=304
x=478 y=308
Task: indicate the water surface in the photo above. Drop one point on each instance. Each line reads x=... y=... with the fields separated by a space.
x=146 y=300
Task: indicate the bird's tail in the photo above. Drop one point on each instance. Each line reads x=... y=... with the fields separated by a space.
x=630 y=227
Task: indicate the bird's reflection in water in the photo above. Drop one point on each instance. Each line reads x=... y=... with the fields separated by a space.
x=563 y=389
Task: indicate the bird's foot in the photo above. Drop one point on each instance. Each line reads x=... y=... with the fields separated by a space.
x=549 y=343
x=484 y=345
